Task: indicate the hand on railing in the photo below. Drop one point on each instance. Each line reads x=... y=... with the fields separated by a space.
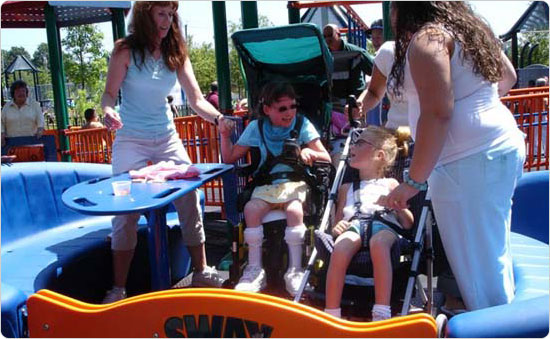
x=112 y=119
x=226 y=126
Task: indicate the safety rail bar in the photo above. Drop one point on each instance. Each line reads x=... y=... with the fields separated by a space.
x=531 y=114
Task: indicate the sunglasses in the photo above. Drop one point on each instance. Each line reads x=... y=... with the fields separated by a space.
x=283 y=109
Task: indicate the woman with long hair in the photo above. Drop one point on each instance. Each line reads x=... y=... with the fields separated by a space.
x=467 y=145
x=145 y=66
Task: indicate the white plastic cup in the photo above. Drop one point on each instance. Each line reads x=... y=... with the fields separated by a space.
x=121 y=188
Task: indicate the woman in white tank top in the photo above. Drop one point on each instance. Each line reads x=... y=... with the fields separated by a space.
x=467 y=145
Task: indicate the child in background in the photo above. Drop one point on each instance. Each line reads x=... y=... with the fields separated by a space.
x=372 y=154
x=277 y=108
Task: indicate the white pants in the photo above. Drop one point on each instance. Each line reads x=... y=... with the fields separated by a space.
x=133 y=153
x=472 y=203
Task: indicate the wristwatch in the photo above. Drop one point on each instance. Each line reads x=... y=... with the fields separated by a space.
x=217 y=120
x=421 y=186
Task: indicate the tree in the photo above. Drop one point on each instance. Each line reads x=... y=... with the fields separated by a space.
x=85 y=62
x=41 y=57
x=540 y=54
x=203 y=59
x=83 y=47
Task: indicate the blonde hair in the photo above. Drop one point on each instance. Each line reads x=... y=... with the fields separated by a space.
x=391 y=142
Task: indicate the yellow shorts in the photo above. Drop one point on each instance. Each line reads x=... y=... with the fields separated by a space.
x=281 y=193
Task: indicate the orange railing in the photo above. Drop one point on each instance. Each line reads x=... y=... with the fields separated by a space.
x=528 y=90
x=531 y=114
x=90 y=145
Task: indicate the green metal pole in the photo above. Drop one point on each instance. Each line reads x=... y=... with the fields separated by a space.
x=58 y=79
x=117 y=20
x=293 y=13
x=388 y=34
x=249 y=13
x=222 y=56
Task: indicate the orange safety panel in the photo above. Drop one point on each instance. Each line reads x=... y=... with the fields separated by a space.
x=205 y=312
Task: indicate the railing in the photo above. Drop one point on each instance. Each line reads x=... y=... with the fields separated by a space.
x=90 y=145
x=528 y=90
x=531 y=114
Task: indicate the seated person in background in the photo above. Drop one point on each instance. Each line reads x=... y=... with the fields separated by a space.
x=92 y=120
x=372 y=154
x=277 y=108
x=355 y=83
x=21 y=117
x=212 y=96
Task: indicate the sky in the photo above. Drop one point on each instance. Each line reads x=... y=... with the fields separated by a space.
x=197 y=15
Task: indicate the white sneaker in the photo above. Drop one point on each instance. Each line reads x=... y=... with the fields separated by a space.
x=253 y=279
x=114 y=294
x=293 y=279
x=209 y=277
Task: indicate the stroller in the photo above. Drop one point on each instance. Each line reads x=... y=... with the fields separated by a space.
x=415 y=244
x=297 y=54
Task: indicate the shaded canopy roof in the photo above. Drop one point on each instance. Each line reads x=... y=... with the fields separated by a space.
x=21 y=64
x=535 y=18
x=30 y=14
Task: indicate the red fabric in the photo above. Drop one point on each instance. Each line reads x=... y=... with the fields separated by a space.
x=165 y=170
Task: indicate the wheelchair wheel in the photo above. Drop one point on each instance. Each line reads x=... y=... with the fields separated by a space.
x=441 y=323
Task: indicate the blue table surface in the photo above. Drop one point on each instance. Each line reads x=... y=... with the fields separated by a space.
x=95 y=197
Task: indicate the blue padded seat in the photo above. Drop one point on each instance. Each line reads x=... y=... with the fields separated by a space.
x=42 y=239
x=528 y=314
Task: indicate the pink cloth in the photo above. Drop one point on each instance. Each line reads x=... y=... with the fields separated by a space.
x=165 y=170
x=340 y=124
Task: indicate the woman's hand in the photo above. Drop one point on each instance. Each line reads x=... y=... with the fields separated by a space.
x=340 y=228
x=225 y=126
x=356 y=112
x=398 y=198
x=112 y=119
x=308 y=156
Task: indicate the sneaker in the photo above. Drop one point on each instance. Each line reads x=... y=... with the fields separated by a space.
x=253 y=280
x=209 y=277
x=293 y=279
x=114 y=294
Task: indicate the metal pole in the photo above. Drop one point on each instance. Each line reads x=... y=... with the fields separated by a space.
x=388 y=34
x=515 y=50
x=249 y=14
x=118 y=19
x=222 y=58
x=293 y=13
x=58 y=78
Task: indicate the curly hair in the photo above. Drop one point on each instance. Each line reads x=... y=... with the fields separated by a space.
x=143 y=31
x=478 y=42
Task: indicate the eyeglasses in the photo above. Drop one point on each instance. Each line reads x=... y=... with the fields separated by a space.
x=283 y=109
x=361 y=142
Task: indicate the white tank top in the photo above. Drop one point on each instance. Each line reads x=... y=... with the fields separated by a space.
x=479 y=120
x=370 y=191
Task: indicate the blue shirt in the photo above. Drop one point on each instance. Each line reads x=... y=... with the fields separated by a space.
x=145 y=112
x=275 y=137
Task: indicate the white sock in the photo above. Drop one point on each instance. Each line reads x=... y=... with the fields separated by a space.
x=381 y=312
x=335 y=312
x=253 y=237
x=294 y=237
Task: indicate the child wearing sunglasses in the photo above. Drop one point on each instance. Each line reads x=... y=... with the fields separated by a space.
x=372 y=153
x=277 y=107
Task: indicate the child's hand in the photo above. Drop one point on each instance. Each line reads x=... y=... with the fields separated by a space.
x=225 y=126
x=308 y=156
x=340 y=228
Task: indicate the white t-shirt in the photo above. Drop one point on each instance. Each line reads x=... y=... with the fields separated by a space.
x=397 y=115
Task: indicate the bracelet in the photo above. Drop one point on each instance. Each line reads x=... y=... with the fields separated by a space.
x=421 y=186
